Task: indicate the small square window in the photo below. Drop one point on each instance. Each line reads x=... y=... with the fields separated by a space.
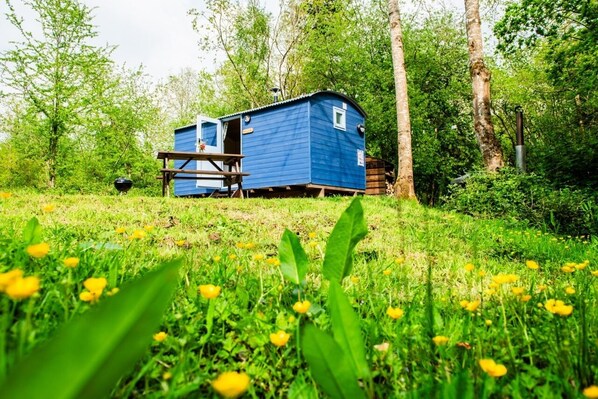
x=339 y=117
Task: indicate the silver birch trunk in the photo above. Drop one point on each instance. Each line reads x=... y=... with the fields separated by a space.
x=480 y=81
x=404 y=187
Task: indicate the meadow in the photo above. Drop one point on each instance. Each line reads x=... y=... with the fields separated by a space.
x=427 y=304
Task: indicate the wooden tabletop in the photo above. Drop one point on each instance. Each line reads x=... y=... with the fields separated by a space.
x=200 y=156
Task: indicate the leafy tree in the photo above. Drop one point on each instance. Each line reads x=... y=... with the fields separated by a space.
x=557 y=42
x=57 y=73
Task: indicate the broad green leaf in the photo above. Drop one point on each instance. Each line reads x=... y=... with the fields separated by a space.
x=293 y=259
x=346 y=330
x=32 y=233
x=328 y=364
x=88 y=355
x=347 y=232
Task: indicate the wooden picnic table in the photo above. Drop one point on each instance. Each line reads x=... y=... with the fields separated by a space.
x=230 y=162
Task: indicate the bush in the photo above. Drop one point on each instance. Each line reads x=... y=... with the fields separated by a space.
x=526 y=197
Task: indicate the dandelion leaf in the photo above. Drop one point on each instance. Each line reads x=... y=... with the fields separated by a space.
x=293 y=259
x=32 y=233
x=346 y=329
x=88 y=355
x=347 y=232
x=329 y=365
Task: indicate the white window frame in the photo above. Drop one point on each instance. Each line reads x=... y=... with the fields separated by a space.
x=339 y=111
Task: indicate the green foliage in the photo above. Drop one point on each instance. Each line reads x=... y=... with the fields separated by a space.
x=234 y=245
x=527 y=197
x=330 y=366
x=293 y=259
x=348 y=231
x=347 y=330
x=88 y=355
x=32 y=233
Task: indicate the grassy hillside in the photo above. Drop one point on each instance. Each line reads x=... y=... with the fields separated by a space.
x=485 y=296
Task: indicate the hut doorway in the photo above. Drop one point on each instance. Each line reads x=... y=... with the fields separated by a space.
x=232 y=136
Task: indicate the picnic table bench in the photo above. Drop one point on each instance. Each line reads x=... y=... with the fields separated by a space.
x=230 y=162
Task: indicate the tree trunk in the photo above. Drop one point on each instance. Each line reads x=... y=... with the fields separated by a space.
x=404 y=187
x=480 y=81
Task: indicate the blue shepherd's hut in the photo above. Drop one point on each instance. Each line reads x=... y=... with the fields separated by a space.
x=314 y=144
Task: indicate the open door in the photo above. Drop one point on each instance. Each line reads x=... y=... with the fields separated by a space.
x=209 y=131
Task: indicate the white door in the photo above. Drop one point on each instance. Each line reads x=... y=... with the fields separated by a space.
x=209 y=131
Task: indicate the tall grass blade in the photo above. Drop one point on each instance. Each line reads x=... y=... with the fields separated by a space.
x=347 y=232
x=293 y=259
x=329 y=366
x=88 y=355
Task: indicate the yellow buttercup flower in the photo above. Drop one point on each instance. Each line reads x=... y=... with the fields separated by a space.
x=249 y=245
x=399 y=261
x=148 y=228
x=568 y=269
x=440 y=340
x=258 y=257
x=354 y=279
x=231 y=384
x=488 y=322
x=470 y=306
x=505 y=278
x=525 y=298
x=312 y=244
x=531 y=264
x=302 y=307
x=180 y=243
x=491 y=368
x=48 y=208
x=9 y=278
x=556 y=306
x=161 y=336
x=387 y=272
x=120 y=230
x=95 y=287
x=38 y=250
x=542 y=287
x=137 y=235
x=570 y=290
x=469 y=267
x=217 y=258
x=279 y=338
x=209 y=291
x=591 y=392
x=581 y=266
x=273 y=261
x=71 y=262
x=517 y=290
x=312 y=235
x=5 y=195
x=395 y=313
x=595 y=273
x=481 y=273
x=167 y=375
x=232 y=256
x=23 y=288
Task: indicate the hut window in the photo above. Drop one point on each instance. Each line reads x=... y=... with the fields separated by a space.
x=339 y=116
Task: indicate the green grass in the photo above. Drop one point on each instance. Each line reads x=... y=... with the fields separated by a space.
x=413 y=258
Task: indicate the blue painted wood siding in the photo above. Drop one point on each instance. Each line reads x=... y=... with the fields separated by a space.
x=334 y=151
x=277 y=151
x=185 y=139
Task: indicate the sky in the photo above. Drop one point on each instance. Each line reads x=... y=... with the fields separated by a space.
x=154 y=33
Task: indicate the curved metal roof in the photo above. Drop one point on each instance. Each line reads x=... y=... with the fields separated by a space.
x=302 y=97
